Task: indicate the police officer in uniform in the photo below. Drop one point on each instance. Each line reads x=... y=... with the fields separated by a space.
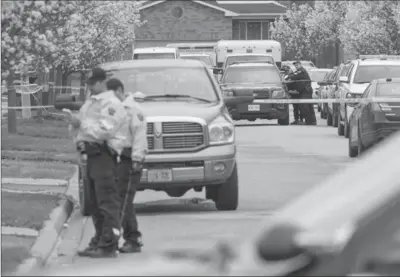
x=98 y=121
x=294 y=94
x=130 y=167
x=303 y=86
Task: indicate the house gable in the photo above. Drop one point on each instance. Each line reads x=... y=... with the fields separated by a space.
x=183 y=21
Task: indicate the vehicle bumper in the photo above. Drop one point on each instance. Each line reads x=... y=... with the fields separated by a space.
x=266 y=111
x=385 y=129
x=191 y=169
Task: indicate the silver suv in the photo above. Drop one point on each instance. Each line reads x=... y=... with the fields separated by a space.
x=358 y=76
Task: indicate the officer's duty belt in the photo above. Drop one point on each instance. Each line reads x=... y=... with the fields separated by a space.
x=126 y=153
x=95 y=148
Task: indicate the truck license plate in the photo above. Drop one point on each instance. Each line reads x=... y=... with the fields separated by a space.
x=159 y=176
x=254 y=108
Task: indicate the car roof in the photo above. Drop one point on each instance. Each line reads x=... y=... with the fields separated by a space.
x=378 y=62
x=249 y=64
x=157 y=63
x=320 y=69
x=384 y=80
x=195 y=54
x=248 y=54
x=155 y=50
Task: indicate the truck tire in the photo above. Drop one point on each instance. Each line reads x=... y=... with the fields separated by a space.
x=85 y=200
x=329 y=119
x=353 y=151
x=227 y=195
x=284 y=121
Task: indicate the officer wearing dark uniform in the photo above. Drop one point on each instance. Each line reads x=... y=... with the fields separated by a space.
x=303 y=86
x=97 y=123
x=134 y=150
x=294 y=94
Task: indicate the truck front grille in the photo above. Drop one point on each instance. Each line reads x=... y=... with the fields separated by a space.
x=175 y=136
x=183 y=142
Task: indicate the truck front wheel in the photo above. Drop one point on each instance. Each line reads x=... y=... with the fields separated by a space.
x=226 y=196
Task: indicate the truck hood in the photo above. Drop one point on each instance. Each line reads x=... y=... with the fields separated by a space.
x=206 y=111
x=356 y=88
x=247 y=88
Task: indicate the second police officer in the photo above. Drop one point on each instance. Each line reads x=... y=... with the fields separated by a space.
x=98 y=122
x=129 y=172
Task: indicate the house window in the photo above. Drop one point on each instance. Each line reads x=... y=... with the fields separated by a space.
x=254 y=30
x=242 y=30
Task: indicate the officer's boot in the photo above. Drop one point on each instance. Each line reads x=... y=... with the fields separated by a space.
x=102 y=253
x=131 y=247
x=89 y=249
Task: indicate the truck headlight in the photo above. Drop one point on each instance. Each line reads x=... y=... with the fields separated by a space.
x=221 y=131
x=278 y=94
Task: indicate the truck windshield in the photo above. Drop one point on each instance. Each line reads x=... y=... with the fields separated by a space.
x=389 y=89
x=256 y=75
x=249 y=58
x=194 y=82
x=367 y=73
x=150 y=56
x=204 y=59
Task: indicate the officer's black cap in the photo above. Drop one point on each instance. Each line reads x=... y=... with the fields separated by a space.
x=296 y=62
x=97 y=75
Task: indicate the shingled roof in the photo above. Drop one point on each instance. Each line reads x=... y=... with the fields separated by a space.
x=234 y=8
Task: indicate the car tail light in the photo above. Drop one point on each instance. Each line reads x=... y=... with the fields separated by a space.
x=353 y=95
x=280 y=93
x=381 y=107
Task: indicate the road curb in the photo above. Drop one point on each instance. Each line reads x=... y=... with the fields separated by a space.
x=48 y=236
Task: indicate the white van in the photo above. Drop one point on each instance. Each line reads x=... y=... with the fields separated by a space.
x=155 y=53
x=229 y=47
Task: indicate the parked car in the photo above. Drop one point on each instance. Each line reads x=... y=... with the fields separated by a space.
x=333 y=108
x=370 y=122
x=190 y=134
x=318 y=75
x=261 y=80
x=353 y=83
x=203 y=57
x=323 y=92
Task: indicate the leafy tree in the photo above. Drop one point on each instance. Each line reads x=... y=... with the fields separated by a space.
x=371 y=27
x=291 y=32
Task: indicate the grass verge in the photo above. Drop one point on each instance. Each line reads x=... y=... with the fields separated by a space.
x=36 y=170
x=25 y=211
x=15 y=249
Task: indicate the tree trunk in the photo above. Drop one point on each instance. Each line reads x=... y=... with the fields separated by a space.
x=82 y=92
x=12 y=102
x=64 y=82
x=41 y=81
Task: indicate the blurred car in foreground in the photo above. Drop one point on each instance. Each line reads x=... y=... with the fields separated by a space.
x=372 y=122
x=334 y=229
x=261 y=80
x=317 y=75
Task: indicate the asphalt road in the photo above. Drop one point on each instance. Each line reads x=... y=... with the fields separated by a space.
x=276 y=164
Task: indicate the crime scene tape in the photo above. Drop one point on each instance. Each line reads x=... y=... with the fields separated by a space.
x=317 y=101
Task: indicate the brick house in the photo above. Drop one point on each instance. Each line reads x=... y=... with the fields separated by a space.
x=205 y=21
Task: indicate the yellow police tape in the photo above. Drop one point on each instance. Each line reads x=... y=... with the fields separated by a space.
x=321 y=101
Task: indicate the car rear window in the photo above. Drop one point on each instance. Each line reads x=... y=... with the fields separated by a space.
x=252 y=58
x=204 y=59
x=149 y=56
x=317 y=76
x=365 y=74
x=256 y=75
x=389 y=89
x=195 y=82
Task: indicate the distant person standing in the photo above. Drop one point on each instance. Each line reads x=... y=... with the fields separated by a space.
x=303 y=85
x=298 y=117
x=98 y=121
x=129 y=172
